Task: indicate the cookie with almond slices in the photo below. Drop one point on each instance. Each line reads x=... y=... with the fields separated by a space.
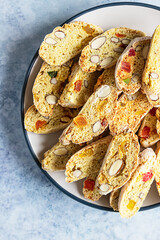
x=134 y=192
x=36 y=123
x=104 y=50
x=130 y=65
x=151 y=74
x=148 y=132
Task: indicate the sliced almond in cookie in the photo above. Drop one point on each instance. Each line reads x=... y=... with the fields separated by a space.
x=60 y=151
x=104 y=91
x=132 y=96
x=118 y=50
x=145 y=51
x=138 y=48
x=116 y=167
x=126 y=41
x=104 y=189
x=77 y=173
x=114 y=39
x=86 y=83
x=60 y=34
x=51 y=99
x=98 y=42
x=50 y=41
x=106 y=62
x=154 y=97
x=154 y=75
x=53 y=81
x=95 y=59
x=96 y=126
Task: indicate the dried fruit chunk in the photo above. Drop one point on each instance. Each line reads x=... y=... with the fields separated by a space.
x=120 y=35
x=145 y=132
x=153 y=111
x=131 y=52
x=80 y=121
x=40 y=124
x=131 y=204
x=147 y=176
x=89 y=184
x=127 y=80
x=125 y=66
x=78 y=85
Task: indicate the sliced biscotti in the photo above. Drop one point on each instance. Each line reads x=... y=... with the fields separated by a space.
x=130 y=111
x=130 y=65
x=60 y=119
x=136 y=189
x=151 y=74
x=104 y=50
x=86 y=161
x=67 y=41
x=148 y=132
x=157 y=172
x=119 y=162
x=48 y=87
x=113 y=200
x=79 y=88
x=90 y=191
x=57 y=157
x=158 y=121
x=93 y=118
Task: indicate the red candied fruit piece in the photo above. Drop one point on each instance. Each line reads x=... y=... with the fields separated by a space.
x=145 y=132
x=154 y=131
x=104 y=122
x=40 y=123
x=158 y=183
x=147 y=176
x=89 y=184
x=153 y=111
x=77 y=85
x=131 y=52
x=126 y=66
x=120 y=35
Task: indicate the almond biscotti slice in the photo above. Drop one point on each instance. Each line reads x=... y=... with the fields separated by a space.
x=151 y=74
x=114 y=196
x=130 y=65
x=86 y=161
x=60 y=119
x=48 y=87
x=148 y=132
x=157 y=172
x=79 y=88
x=57 y=157
x=67 y=41
x=119 y=162
x=136 y=189
x=104 y=50
x=130 y=111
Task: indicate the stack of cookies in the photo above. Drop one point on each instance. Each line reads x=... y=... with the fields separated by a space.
x=103 y=90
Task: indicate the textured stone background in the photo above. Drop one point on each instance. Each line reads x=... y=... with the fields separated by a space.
x=30 y=206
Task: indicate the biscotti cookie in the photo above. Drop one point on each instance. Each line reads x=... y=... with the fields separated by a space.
x=67 y=41
x=158 y=121
x=130 y=111
x=157 y=172
x=87 y=160
x=57 y=157
x=148 y=132
x=130 y=65
x=79 y=88
x=151 y=74
x=93 y=118
x=48 y=87
x=113 y=200
x=90 y=191
x=104 y=50
x=119 y=162
x=136 y=189
x=60 y=119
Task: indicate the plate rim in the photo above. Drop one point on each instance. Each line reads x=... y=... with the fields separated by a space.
x=22 y=107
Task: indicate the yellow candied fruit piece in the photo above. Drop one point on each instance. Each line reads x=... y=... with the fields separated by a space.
x=139 y=178
x=140 y=112
x=101 y=105
x=121 y=149
x=131 y=204
x=88 y=152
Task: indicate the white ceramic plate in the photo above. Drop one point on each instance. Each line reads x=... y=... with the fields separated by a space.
x=133 y=15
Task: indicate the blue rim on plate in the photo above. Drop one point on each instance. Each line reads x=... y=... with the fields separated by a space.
x=22 y=108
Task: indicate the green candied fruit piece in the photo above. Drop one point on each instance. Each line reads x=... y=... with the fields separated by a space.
x=127 y=80
x=52 y=74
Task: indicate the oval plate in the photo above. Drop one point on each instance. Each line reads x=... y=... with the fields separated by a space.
x=139 y=16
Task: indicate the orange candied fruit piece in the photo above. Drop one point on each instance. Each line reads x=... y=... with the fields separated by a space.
x=80 y=121
x=145 y=132
x=77 y=85
x=89 y=184
x=147 y=176
x=120 y=35
x=40 y=123
x=131 y=204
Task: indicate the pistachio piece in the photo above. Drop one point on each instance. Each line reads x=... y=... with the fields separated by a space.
x=60 y=151
x=51 y=99
x=50 y=41
x=106 y=62
x=60 y=34
x=114 y=39
x=116 y=167
x=154 y=75
x=77 y=173
x=126 y=41
x=53 y=81
x=96 y=126
x=95 y=59
x=98 y=42
x=104 y=91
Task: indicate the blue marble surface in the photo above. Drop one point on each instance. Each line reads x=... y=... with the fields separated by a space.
x=30 y=206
